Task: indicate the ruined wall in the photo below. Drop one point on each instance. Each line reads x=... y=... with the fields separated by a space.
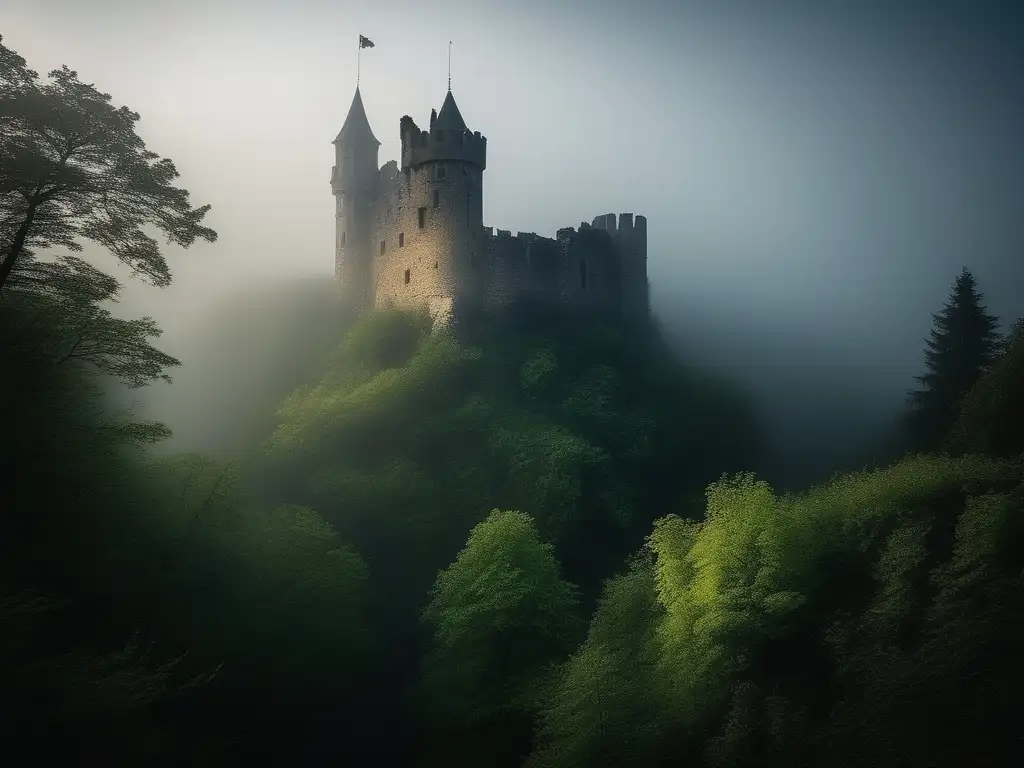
x=629 y=235
x=594 y=266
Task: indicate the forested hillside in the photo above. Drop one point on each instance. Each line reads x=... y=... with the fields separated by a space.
x=528 y=540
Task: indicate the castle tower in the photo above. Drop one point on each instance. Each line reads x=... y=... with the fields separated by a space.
x=441 y=256
x=354 y=181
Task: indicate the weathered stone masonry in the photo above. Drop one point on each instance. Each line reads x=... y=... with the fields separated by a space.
x=412 y=234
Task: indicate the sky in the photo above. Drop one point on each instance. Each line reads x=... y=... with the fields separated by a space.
x=814 y=174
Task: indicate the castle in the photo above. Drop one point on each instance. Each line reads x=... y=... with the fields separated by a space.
x=413 y=235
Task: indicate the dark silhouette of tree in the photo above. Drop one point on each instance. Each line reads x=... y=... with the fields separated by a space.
x=962 y=345
x=992 y=411
x=74 y=168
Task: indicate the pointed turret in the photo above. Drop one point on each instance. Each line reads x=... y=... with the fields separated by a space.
x=355 y=181
x=447 y=139
x=355 y=150
x=449 y=118
x=356 y=131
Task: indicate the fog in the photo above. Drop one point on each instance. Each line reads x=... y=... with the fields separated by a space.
x=813 y=177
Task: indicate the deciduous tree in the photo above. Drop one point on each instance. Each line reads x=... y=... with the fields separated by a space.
x=73 y=168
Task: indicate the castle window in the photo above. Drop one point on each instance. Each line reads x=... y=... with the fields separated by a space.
x=423 y=217
x=437 y=198
x=407 y=277
x=343 y=237
x=435 y=265
x=441 y=171
x=583 y=275
x=381 y=247
x=401 y=239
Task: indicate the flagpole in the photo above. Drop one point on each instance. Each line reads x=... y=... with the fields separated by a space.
x=359 y=53
x=449 y=66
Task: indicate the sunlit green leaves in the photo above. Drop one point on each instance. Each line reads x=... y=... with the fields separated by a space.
x=382 y=405
x=608 y=705
x=498 y=615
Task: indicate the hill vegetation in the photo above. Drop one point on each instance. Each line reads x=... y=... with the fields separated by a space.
x=530 y=540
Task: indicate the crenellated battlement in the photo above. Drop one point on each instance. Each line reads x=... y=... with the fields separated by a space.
x=447 y=140
x=411 y=232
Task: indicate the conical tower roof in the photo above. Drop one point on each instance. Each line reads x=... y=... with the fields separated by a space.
x=356 y=129
x=449 y=118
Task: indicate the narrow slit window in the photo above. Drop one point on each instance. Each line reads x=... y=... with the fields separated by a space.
x=401 y=239
x=382 y=245
x=435 y=265
x=343 y=234
x=422 y=217
x=407 y=277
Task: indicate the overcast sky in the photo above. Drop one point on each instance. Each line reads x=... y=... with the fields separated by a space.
x=814 y=174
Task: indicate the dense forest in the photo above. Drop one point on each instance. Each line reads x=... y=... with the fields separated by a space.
x=530 y=540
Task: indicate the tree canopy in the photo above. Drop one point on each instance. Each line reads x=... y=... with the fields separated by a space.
x=961 y=346
x=75 y=169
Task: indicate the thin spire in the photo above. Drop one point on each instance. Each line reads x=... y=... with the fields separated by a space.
x=449 y=66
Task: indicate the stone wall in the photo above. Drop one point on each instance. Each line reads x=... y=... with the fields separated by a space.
x=443 y=258
x=412 y=234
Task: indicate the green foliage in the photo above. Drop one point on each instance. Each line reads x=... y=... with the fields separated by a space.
x=283 y=599
x=961 y=346
x=382 y=405
x=896 y=710
x=608 y=705
x=387 y=338
x=69 y=330
x=813 y=629
x=992 y=411
x=547 y=468
x=578 y=424
x=74 y=168
x=499 y=616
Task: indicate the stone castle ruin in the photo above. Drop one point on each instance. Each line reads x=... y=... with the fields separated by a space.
x=412 y=234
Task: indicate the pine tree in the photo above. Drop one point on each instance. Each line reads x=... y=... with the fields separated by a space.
x=962 y=345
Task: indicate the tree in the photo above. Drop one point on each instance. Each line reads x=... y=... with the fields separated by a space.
x=1014 y=334
x=962 y=345
x=74 y=168
x=61 y=302
x=499 y=616
x=992 y=411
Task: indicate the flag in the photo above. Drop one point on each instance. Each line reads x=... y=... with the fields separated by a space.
x=365 y=42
